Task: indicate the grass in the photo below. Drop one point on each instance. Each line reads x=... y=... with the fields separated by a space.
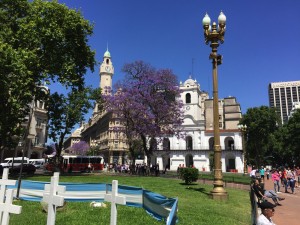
x=194 y=207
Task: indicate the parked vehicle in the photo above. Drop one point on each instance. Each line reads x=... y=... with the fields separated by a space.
x=27 y=168
x=16 y=161
x=38 y=163
x=77 y=163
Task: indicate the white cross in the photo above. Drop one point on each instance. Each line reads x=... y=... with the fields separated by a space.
x=53 y=199
x=7 y=207
x=114 y=199
x=59 y=189
x=3 y=183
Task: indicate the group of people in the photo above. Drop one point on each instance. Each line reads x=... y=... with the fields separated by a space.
x=287 y=178
x=283 y=177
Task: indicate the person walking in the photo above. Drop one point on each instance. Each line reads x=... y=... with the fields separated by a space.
x=297 y=176
x=268 y=173
x=292 y=180
x=285 y=180
x=262 y=172
x=276 y=180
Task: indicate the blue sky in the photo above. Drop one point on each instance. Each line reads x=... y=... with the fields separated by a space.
x=262 y=41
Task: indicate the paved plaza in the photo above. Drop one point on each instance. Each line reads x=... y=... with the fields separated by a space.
x=288 y=213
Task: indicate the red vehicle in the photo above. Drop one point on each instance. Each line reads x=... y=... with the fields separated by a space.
x=78 y=163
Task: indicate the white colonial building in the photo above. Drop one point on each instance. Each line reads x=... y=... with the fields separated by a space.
x=196 y=149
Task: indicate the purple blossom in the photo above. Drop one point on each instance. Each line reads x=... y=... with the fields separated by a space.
x=80 y=148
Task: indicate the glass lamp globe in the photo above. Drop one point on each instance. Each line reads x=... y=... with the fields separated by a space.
x=221 y=18
x=206 y=20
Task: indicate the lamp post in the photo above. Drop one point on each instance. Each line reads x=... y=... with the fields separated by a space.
x=214 y=35
x=243 y=129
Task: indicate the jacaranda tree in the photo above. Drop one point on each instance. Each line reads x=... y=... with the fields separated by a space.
x=80 y=148
x=148 y=104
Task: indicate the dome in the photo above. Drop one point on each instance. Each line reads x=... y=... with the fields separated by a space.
x=190 y=82
x=107 y=54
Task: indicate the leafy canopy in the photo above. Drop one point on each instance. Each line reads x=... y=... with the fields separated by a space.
x=40 y=41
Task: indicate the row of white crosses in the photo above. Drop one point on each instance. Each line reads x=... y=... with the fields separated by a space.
x=53 y=196
x=53 y=192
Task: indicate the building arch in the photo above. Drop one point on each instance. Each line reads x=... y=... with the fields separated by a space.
x=166 y=162
x=188 y=98
x=211 y=143
x=189 y=143
x=166 y=144
x=229 y=143
x=153 y=144
x=189 y=161
x=230 y=163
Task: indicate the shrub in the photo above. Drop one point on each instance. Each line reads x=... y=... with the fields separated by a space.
x=189 y=175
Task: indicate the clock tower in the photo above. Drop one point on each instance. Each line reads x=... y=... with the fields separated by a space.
x=106 y=71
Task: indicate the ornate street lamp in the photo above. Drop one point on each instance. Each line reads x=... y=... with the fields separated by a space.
x=243 y=129
x=214 y=35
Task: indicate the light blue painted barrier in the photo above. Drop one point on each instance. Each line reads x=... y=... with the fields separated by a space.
x=158 y=206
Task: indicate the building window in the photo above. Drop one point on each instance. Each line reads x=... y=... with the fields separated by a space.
x=188 y=98
x=153 y=144
x=166 y=144
x=189 y=143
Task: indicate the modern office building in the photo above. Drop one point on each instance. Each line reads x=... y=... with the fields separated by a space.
x=282 y=96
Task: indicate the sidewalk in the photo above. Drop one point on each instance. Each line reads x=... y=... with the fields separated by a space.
x=289 y=211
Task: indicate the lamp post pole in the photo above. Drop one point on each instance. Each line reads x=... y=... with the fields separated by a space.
x=243 y=129
x=213 y=36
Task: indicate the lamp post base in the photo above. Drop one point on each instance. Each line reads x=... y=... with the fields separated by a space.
x=221 y=195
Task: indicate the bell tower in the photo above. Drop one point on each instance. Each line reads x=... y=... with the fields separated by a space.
x=106 y=71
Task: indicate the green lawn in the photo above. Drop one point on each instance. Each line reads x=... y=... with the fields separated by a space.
x=194 y=207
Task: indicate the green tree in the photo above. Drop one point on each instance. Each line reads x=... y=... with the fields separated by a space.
x=289 y=135
x=262 y=123
x=40 y=41
x=65 y=111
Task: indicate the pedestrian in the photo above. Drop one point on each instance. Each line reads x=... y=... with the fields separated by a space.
x=276 y=180
x=267 y=211
x=262 y=172
x=268 y=173
x=292 y=180
x=89 y=167
x=252 y=173
x=298 y=176
x=285 y=180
